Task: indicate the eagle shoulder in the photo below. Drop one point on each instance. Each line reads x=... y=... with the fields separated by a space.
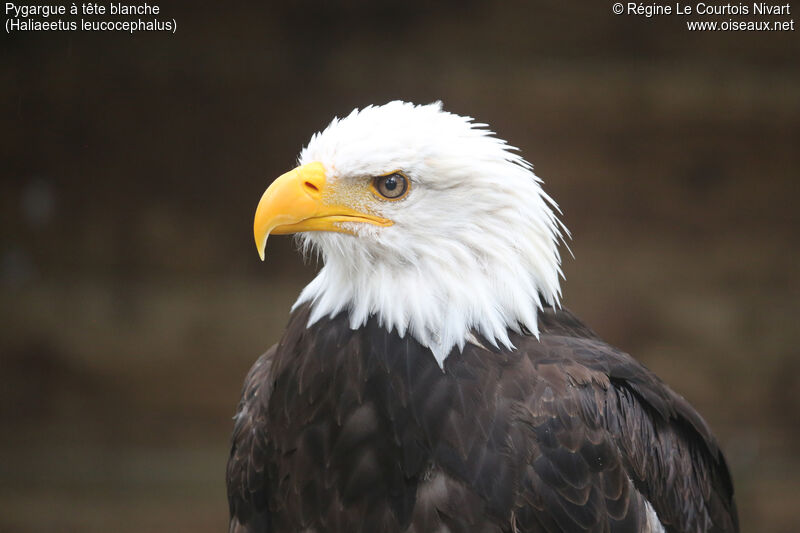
x=610 y=442
x=247 y=500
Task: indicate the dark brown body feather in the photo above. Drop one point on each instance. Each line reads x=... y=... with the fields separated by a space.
x=342 y=430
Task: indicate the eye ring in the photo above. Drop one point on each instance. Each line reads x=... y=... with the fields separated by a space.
x=392 y=186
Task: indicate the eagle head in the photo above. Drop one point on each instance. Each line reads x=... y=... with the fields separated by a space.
x=423 y=219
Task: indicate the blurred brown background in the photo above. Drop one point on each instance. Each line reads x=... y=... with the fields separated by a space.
x=133 y=301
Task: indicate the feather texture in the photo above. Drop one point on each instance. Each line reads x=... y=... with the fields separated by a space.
x=359 y=430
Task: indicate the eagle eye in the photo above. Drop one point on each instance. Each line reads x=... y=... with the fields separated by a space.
x=392 y=186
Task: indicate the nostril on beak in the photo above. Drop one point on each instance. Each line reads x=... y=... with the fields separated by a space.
x=311 y=187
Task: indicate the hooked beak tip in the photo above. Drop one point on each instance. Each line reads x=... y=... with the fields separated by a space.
x=261 y=245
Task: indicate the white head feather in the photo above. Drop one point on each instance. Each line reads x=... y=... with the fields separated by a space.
x=473 y=250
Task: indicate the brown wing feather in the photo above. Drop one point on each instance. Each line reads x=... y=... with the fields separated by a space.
x=635 y=436
x=247 y=499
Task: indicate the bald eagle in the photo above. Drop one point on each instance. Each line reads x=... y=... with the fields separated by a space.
x=429 y=380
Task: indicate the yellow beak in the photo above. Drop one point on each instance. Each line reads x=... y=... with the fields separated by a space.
x=296 y=202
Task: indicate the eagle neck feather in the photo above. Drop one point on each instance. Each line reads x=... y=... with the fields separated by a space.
x=443 y=297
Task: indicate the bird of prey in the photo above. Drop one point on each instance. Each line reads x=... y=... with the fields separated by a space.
x=429 y=380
